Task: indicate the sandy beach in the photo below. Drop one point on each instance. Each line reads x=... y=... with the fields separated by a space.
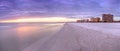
x=82 y=37
x=61 y=37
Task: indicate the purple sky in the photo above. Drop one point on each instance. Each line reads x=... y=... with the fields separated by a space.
x=18 y=8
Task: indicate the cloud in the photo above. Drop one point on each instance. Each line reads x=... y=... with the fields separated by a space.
x=58 y=7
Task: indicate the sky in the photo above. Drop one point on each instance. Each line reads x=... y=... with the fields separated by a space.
x=10 y=9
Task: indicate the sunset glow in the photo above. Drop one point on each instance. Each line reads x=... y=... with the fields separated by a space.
x=53 y=19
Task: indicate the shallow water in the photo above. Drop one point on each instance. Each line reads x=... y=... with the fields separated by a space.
x=17 y=36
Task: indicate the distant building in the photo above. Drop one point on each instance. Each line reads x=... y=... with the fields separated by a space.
x=84 y=20
x=107 y=18
x=97 y=19
x=78 y=20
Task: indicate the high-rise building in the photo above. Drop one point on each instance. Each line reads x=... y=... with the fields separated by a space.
x=107 y=17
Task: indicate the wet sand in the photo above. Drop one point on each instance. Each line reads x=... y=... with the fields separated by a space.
x=17 y=37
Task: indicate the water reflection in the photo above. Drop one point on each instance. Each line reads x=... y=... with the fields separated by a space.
x=19 y=36
x=26 y=30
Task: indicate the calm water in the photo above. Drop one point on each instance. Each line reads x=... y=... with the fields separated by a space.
x=16 y=37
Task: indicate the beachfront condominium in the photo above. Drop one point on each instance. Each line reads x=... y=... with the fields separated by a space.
x=107 y=18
